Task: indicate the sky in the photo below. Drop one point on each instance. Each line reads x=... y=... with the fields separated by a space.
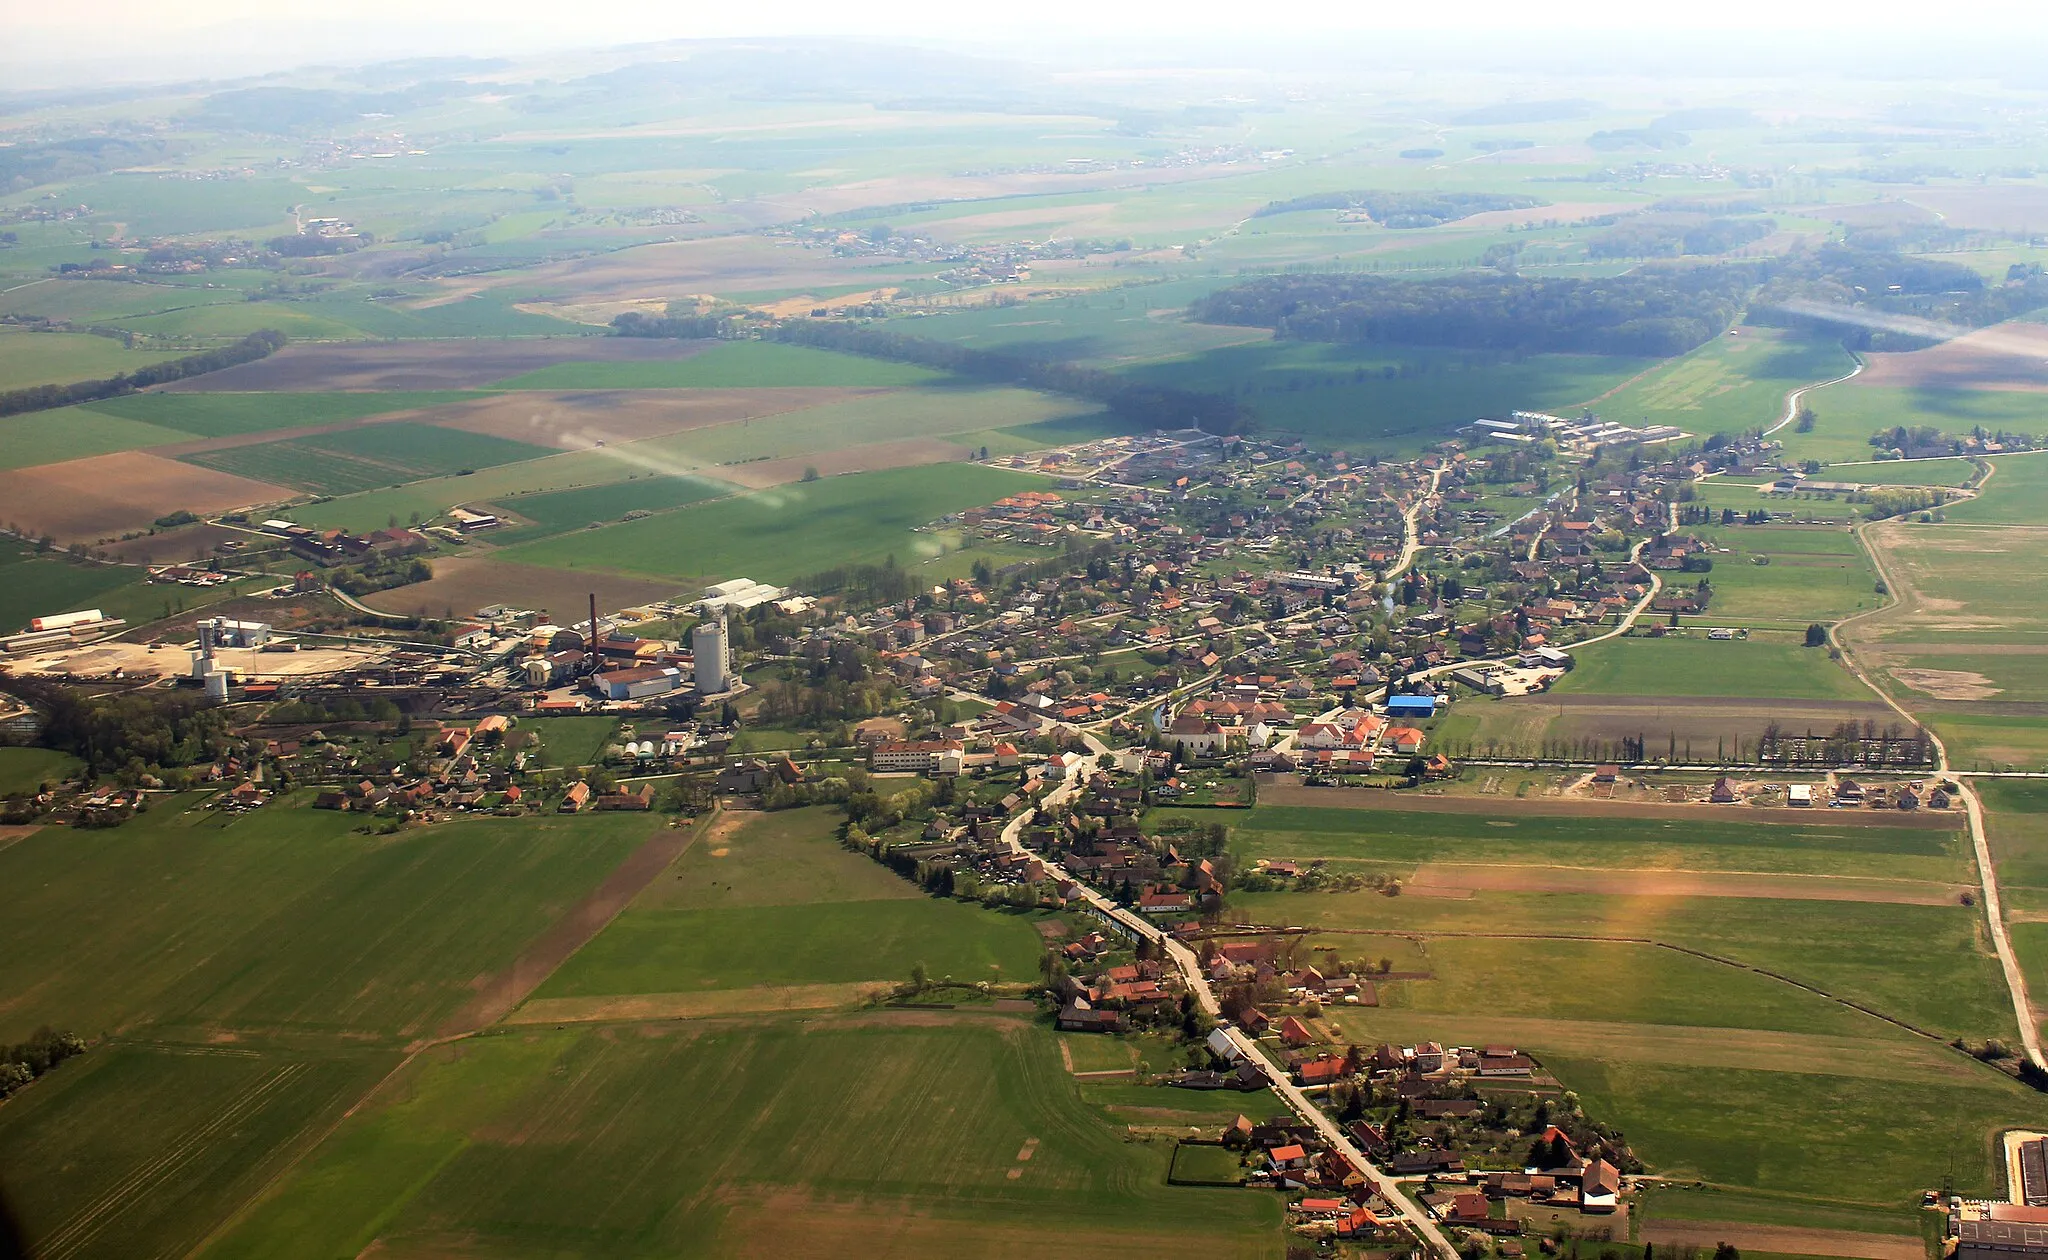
x=128 y=40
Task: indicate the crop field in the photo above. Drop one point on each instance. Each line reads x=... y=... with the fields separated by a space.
x=51 y=358
x=791 y=857
x=771 y=1137
x=225 y=415
x=284 y=920
x=582 y=419
x=24 y=770
x=2006 y=356
x=1849 y=413
x=36 y=586
x=366 y=458
x=1693 y=665
x=2017 y=494
x=780 y=535
x=1509 y=832
x=1789 y=574
x=1114 y=328
x=423 y=365
x=565 y=510
x=1949 y=471
x=1343 y=395
x=729 y=365
x=48 y=437
x=105 y=496
x=462 y=584
x=1735 y=382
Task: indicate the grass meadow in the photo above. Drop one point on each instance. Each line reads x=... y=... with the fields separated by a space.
x=54 y=358
x=1735 y=382
x=2016 y=494
x=1694 y=665
x=224 y=415
x=23 y=771
x=34 y=585
x=782 y=534
x=1848 y=414
x=1809 y=573
x=49 y=437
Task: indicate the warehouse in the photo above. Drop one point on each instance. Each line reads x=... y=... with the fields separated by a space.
x=637 y=684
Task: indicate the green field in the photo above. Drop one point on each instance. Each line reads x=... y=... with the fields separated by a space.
x=2017 y=494
x=49 y=437
x=729 y=365
x=368 y=458
x=1849 y=413
x=1117 y=327
x=1396 y=841
x=54 y=358
x=769 y=1138
x=23 y=771
x=222 y=415
x=782 y=534
x=1693 y=665
x=1953 y=471
x=286 y=919
x=571 y=741
x=560 y=511
x=34 y=586
x=1735 y=382
x=1346 y=395
x=787 y=858
x=1811 y=573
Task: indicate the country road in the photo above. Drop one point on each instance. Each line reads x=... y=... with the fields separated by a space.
x=1190 y=967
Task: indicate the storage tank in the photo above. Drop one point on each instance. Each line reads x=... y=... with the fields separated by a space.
x=217 y=685
x=714 y=657
x=64 y=621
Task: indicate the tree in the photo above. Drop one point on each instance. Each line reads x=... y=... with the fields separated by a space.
x=920 y=977
x=1816 y=635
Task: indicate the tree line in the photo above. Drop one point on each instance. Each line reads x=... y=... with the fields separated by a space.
x=1403 y=209
x=1138 y=403
x=257 y=345
x=126 y=733
x=22 y=1063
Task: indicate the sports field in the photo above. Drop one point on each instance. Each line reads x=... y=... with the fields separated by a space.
x=782 y=534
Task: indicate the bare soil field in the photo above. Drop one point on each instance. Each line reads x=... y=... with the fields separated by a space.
x=577 y=421
x=105 y=496
x=875 y=456
x=1283 y=790
x=343 y=368
x=1457 y=879
x=469 y=582
x=725 y=265
x=1784 y=1240
x=174 y=546
x=753 y=1001
x=2010 y=356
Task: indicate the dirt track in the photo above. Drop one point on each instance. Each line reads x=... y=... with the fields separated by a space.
x=1455 y=879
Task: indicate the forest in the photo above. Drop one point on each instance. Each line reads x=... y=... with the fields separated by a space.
x=1403 y=209
x=1663 y=311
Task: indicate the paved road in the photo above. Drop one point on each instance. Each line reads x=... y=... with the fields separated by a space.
x=1793 y=399
x=1190 y=967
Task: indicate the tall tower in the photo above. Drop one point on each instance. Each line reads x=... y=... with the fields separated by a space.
x=714 y=656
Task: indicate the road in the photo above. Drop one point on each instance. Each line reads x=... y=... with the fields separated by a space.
x=1797 y=396
x=1980 y=840
x=1197 y=982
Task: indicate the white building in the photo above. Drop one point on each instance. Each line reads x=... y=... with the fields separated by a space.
x=738 y=595
x=921 y=756
x=713 y=648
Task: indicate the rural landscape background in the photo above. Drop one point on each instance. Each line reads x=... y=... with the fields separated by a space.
x=1143 y=385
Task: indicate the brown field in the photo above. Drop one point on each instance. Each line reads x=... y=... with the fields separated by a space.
x=468 y=582
x=726 y=265
x=2009 y=356
x=642 y=1006
x=1457 y=879
x=875 y=456
x=342 y=368
x=1283 y=789
x=575 y=421
x=1784 y=1240
x=174 y=546
x=802 y=1227
x=105 y=496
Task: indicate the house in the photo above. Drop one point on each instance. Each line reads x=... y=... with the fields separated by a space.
x=1800 y=796
x=576 y=798
x=1197 y=737
x=1404 y=739
x=1606 y=774
x=1287 y=1158
x=1723 y=792
x=1078 y=1016
x=1326 y=1069
x=641 y=798
x=1295 y=1033
x=1599 y=1187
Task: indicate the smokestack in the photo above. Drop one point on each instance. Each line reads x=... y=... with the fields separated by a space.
x=593 y=621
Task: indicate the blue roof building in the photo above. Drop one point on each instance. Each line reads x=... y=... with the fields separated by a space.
x=1411 y=706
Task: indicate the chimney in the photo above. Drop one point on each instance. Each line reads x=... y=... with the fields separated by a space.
x=593 y=621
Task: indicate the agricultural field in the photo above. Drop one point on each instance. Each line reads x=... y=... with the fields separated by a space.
x=1788 y=576
x=199 y=415
x=1849 y=413
x=728 y=365
x=1114 y=328
x=780 y=535
x=24 y=770
x=366 y=458
x=49 y=437
x=2014 y=495
x=1392 y=398
x=51 y=358
x=1693 y=665
x=34 y=585
x=1736 y=382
